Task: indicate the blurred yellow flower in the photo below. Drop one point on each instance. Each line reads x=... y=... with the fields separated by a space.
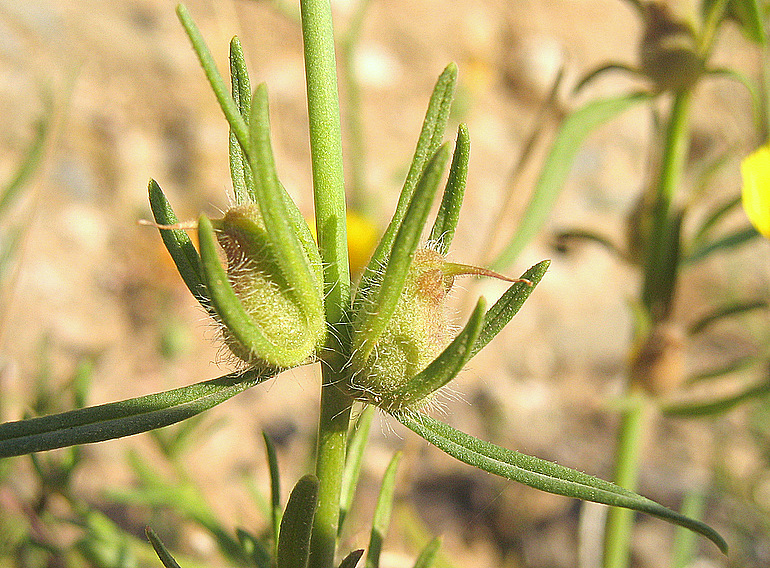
x=363 y=235
x=755 y=170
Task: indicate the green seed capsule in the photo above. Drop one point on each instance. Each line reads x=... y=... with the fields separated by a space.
x=419 y=330
x=266 y=319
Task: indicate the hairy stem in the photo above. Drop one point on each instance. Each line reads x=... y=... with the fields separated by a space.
x=329 y=198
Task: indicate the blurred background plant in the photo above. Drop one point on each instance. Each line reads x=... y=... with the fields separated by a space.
x=159 y=493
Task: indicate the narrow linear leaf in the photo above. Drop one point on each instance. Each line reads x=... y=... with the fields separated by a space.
x=354 y=458
x=729 y=241
x=296 y=525
x=431 y=135
x=428 y=554
x=541 y=474
x=447 y=365
x=28 y=165
x=738 y=364
x=292 y=258
x=179 y=245
x=275 y=489
x=714 y=407
x=748 y=13
x=253 y=549
x=713 y=219
x=160 y=549
x=724 y=312
x=573 y=132
x=448 y=214
x=351 y=560
x=683 y=553
x=124 y=418
x=382 y=512
x=751 y=87
x=508 y=305
x=592 y=75
x=375 y=318
x=565 y=237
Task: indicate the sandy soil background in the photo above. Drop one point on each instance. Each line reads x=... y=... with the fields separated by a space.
x=133 y=104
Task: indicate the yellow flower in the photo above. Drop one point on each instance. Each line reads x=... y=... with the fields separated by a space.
x=755 y=170
x=363 y=235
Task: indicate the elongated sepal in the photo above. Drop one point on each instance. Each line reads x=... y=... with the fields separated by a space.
x=295 y=265
x=243 y=181
x=296 y=525
x=431 y=135
x=160 y=549
x=179 y=245
x=382 y=512
x=375 y=309
x=124 y=418
x=448 y=214
x=224 y=98
x=442 y=369
x=508 y=305
x=543 y=475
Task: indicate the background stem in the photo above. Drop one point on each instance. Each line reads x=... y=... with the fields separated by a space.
x=329 y=198
x=617 y=539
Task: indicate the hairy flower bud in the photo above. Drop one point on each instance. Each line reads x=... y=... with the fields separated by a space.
x=281 y=325
x=418 y=331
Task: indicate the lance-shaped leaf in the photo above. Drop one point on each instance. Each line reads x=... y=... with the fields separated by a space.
x=382 y=511
x=124 y=418
x=508 y=305
x=574 y=130
x=296 y=525
x=383 y=297
x=243 y=181
x=444 y=226
x=293 y=260
x=443 y=368
x=179 y=245
x=544 y=475
x=431 y=135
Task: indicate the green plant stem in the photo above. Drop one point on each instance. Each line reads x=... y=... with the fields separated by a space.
x=672 y=164
x=617 y=538
x=329 y=198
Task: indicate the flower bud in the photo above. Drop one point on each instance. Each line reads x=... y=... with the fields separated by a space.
x=418 y=331
x=267 y=320
x=669 y=51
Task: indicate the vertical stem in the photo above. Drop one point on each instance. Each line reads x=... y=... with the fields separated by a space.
x=674 y=156
x=617 y=538
x=655 y=296
x=329 y=197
